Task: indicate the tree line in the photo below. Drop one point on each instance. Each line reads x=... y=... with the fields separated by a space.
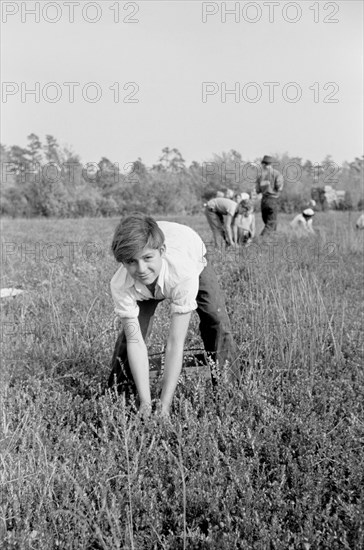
x=45 y=179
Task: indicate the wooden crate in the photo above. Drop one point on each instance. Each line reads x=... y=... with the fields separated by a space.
x=194 y=363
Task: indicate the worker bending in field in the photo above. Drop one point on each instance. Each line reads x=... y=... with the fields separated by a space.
x=302 y=223
x=360 y=222
x=219 y=213
x=164 y=260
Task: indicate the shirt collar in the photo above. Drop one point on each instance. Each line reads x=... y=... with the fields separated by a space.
x=160 y=281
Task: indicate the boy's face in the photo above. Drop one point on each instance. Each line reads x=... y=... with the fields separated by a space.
x=146 y=266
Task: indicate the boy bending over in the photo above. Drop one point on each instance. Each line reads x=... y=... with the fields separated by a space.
x=164 y=260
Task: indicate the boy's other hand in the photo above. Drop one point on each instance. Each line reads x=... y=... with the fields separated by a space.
x=162 y=412
x=145 y=410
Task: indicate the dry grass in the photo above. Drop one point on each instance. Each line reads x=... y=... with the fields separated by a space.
x=275 y=465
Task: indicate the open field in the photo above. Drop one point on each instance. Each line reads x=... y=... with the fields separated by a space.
x=276 y=465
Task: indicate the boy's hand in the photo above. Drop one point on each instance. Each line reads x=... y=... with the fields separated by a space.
x=145 y=409
x=162 y=411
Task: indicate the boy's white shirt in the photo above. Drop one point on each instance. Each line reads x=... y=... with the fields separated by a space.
x=178 y=280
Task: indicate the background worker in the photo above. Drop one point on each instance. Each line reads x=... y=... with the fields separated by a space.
x=269 y=183
x=219 y=213
x=302 y=223
x=243 y=224
x=360 y=222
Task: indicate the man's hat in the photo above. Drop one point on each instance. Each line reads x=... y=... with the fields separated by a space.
x=267 y=159
x=308 y=212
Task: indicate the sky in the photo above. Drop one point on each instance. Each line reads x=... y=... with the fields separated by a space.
x=126 y=79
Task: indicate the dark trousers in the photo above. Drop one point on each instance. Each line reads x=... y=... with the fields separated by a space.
x=214 y=327
x=269 y=207
x=216 y=223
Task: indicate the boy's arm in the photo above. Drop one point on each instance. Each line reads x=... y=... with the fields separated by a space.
x=173 y=357
x=138 y=359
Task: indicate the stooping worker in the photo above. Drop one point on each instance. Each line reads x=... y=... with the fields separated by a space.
x=243 y=224
x=164 y=260
x=302 y=223
x=360 y=222
x=269 y=183
x=219 y=213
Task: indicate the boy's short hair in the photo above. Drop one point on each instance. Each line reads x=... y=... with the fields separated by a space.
x=133 y=234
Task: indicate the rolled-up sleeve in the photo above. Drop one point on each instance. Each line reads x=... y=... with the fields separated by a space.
x=126 y=306
x=183 y=299
x=124 y=298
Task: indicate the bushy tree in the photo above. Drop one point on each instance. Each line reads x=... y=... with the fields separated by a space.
x=45 y=179
x=171 y=160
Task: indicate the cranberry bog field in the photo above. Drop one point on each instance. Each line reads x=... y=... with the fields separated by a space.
x=275 y=464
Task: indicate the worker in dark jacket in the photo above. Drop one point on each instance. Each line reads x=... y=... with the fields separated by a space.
x=269 y=183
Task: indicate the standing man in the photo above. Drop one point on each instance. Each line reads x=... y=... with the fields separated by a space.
x=219 y=213
x=269 y=183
